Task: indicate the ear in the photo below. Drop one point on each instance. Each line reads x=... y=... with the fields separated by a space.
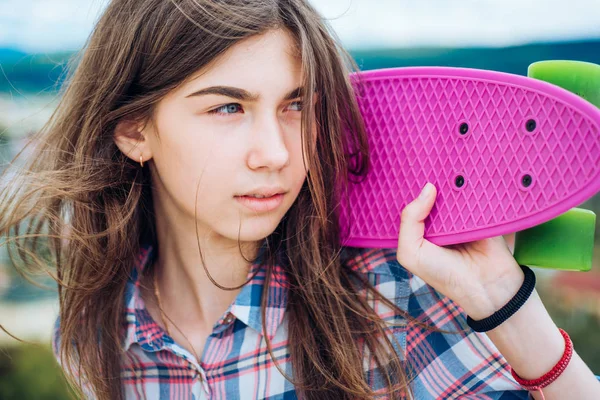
x=129 y=136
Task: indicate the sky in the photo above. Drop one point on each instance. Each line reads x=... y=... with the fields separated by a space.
x=55 y=25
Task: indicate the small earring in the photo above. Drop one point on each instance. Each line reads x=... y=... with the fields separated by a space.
x=141 y=161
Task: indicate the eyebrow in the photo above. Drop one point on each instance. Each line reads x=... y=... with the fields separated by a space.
x=241 y=94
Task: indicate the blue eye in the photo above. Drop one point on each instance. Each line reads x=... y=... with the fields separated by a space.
x=296 y=106
x=231 y=108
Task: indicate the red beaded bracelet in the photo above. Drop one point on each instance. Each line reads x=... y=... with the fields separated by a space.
x=553 y=374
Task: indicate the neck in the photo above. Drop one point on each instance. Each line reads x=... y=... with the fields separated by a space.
x=196 y=290
x=200 y=285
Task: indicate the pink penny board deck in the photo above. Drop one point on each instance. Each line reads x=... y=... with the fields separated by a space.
x=505 y=153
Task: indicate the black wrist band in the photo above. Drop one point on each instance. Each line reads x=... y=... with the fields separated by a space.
x=497 y=318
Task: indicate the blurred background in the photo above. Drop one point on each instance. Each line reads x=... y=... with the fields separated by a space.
x=37 y=38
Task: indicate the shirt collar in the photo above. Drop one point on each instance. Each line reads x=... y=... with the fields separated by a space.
x=142 y=329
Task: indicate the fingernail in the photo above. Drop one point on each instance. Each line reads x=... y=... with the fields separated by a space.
x=427 y=190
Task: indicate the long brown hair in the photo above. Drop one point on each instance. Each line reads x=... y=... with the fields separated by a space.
x=83 y=203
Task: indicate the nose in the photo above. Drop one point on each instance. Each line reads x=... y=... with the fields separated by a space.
x=268 y=148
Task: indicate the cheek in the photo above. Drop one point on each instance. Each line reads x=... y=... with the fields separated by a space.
x=186 y=155
x=189 y=142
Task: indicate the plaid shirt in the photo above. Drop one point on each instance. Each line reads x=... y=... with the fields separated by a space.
x=236 y=364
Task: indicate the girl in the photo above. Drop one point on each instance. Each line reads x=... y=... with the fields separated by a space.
x=186 y=186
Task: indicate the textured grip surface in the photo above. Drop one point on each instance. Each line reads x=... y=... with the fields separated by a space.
x=414 y=118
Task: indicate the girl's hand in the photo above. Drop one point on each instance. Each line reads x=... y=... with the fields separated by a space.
x=480 y=276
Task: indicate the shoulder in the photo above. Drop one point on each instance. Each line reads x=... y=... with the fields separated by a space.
x=418 y=300
x=438 y=344
x=421 y=301
x=381 y=267
x=375 y=261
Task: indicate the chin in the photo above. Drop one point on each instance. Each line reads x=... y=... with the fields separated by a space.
x=254 y=230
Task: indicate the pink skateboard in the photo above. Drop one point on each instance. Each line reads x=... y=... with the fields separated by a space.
x=505 y=153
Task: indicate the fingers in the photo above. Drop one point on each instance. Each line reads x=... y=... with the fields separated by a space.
x=412 y=224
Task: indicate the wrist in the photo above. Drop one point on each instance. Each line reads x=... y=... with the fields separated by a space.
x=491 y=297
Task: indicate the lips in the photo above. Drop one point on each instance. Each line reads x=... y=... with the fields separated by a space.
x=260 y=196
x=264 y=192
x=259 y=205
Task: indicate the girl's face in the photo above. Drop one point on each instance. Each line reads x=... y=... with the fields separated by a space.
x=234 y=130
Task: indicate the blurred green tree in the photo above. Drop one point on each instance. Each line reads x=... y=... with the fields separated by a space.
x=30 y=372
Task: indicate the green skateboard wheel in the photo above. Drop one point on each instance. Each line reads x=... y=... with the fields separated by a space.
x=581 y=78
x=565 y=242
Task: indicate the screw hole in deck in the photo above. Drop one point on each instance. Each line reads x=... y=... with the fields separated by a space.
x=525 y=181
x=463 y=129
x=459 y=181
x=530 y=125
